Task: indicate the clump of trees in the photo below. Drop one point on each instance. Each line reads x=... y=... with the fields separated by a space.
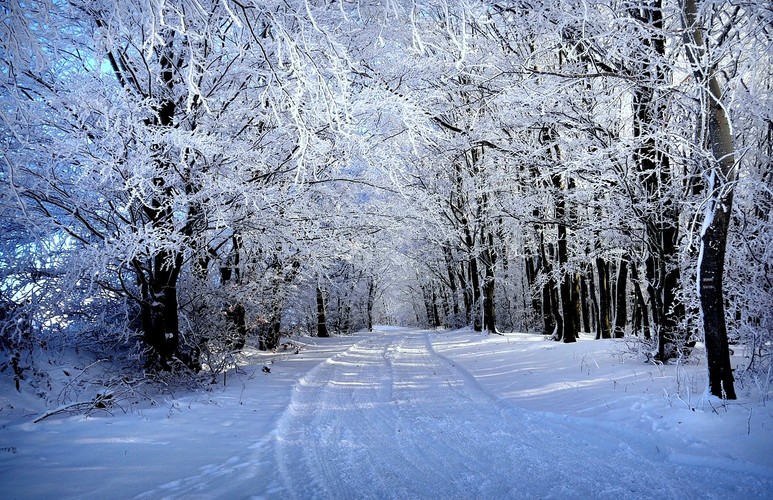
x=204 y=173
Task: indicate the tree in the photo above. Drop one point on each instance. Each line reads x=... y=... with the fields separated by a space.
x=149 y=143
x=720 y=177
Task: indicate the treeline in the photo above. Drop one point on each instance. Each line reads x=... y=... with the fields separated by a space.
x=206 y=173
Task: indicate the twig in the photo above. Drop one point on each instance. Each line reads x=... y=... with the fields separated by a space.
x=78 y=376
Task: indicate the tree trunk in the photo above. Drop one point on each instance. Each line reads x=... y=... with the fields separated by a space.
x=268 y=338
x=161 y=327
x=711 y=272
x=159 y=309
x=321 y=317
x=435 y=309
x=603 y=325
x=641 y=315
x=594 y=310
x=621 y=300
x=489 y=291
x=371 y=300
x=477 y=324
x=549 y=308
x=661 y=226
x=719 y=207
x=584 y=303
x=466 y=293
x=531 y=279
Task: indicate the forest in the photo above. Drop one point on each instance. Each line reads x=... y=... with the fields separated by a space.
x=182 y=178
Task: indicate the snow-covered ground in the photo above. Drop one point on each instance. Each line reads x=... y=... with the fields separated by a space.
x=411 y=414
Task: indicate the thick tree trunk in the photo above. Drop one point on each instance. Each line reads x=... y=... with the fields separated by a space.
x=489 y=306
x=711 y=272
x=159 y=307
x=230 y=272
x=268 y=338
x=159 y=310
x=426 y=294
x=653 y=162
x=719 y=207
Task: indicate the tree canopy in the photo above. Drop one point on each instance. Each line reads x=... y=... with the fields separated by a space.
x=181 y=177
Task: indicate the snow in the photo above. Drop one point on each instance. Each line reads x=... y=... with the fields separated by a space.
x=404 y=413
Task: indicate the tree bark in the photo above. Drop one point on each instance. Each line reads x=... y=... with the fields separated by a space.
x=621 y=300
x=641 y=314
x=719 y=207
x=321 y=317
x=161 y=328
x=371 y=300
x=489 y=291
x=661 y=226
x=603 y=325
x=584 y=303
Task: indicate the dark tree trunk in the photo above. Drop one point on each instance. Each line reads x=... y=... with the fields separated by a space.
x=711 y=272
x=489 y=290
x=454 y=299
x=159 y=310
x=621 y=300
x=641 y=315
x=371 y=300
x=268 y=338
x=531 y=280
x=719 y=207
x=489 y=306
x=594 y=302
x=234 y=313
x=584 y=303
x=426 y=294
x=654 y=165
x=321 y=316
x=549 y=304
x=477 y=324
x=466 y=293
x=435 y=309
x=568 y=321
x=604 y=326
x=161 y=327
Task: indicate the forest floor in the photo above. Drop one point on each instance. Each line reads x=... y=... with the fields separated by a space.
x=403 y=413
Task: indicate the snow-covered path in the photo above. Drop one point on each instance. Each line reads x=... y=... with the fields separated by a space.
x=391 y=418
x=410 y=414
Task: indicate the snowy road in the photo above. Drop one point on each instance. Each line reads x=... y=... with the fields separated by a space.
x=391 y=418
x=409 y=414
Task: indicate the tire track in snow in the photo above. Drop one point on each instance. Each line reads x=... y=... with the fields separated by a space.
x=390 y=418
